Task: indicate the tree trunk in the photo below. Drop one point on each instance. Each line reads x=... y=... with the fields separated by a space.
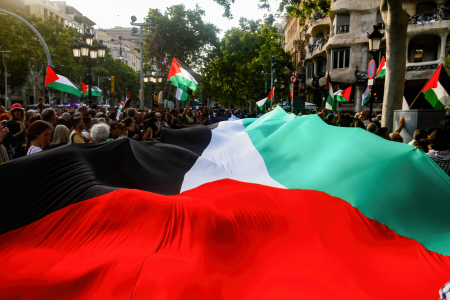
x=396 y=22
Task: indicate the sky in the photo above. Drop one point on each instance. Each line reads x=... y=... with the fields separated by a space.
x=108 y=14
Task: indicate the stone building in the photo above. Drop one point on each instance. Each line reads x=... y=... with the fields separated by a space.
x=338 y=43
x=115 y=42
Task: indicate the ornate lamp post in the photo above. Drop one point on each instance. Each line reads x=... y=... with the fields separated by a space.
x=89 y=52
x=154 y=79
x=374 y=46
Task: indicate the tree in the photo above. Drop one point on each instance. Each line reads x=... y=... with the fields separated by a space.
x=233 y=75
x=182 y=34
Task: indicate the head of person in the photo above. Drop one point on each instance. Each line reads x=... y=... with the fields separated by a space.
x=17 y=112
x=128 y=122
x=78 y=124
x=83 y=110
x=39 y=132
x=41 y=100
x=116 y=130
x=440 y=139
x=152 y=121
x=364 y=115
x=189 y=112
x=61 y=135
x=49 y=115
x=358 y=123
x=100 y=115
x=345 y=121
x=371 y=127
x=430 y=131
x=383 y=133
x=131 y=112
x=113 y=116
x=3 y=124
x=102 y=121
x=28 y=115
x=396 y=137
x=87 y=123
x=2 y=109
x=420 y=135
x=103 y=109
x=139 y=116
x=34 y=118
x=100 y=132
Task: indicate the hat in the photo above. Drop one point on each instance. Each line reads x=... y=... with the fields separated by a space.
x=157 y=114
x=16 y=106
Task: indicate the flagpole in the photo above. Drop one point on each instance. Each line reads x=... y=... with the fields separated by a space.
x=423 y=86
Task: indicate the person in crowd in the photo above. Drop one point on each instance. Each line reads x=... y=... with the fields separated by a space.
x=83 y=110
x=131 y=112
x=176 y=121
x=113 y=117
x=66 y=117
x=364 y=117
x=205 y=118
x=2 y=109
x=36 y=117
x=15 y=140
x=61 y=136
x=331 y=119
x=358 y=123
x=38 y=136
x=87 y=127
x=116 y=132
x=396 y=137
x=28 y=116
x=130 y=125
x=102 y=121
x=344 y=121
x=187 y=116
x=430 y=132
x=77 y=137
x=372 y=127
x=100 y=133
x=4 y=116
x=49 y=115
x=420 y=135
x=149 y=126
x=4 y=157
x=40 y=106
x=383 y=133
x=440 y=148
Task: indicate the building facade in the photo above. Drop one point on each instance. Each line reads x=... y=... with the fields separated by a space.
x=121 y=46
x=338 y=43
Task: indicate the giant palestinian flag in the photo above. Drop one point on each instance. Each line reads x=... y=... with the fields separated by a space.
x=180 y=74
x=280 y=207
x=60 y=83
x=437 y=89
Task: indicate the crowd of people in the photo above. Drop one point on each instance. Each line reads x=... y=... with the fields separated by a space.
x=25 y=132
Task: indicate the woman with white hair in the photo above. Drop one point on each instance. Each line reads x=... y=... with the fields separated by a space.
x=100 y=133
x=60 y=136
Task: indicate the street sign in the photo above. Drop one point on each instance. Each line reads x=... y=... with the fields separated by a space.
x=370 y=82
x=371 y=69
x=294 y=79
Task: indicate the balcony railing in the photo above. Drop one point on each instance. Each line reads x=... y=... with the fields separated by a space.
x=423 y=66
x=422 y=17
x=318 y=44
x=317 y=16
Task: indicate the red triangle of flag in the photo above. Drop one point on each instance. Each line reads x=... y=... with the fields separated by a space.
x=290 y=95
x=433 y=82
x=346 y=93
x=128 y=95
x=175 y=69
x=51 y=76
x=271 y=94
x=85 y=88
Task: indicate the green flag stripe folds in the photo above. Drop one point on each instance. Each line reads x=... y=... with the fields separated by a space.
x=65 y=85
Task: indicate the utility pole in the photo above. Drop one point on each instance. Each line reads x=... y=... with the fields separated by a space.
x=272 y=71
x=6 y=77
x=141 y=36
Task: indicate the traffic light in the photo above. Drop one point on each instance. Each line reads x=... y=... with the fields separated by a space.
x=296 y=89
x=273 y=62
x=112 y=84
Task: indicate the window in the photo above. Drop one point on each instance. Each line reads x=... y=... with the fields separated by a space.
x=126 y=62
x=341 y=24
x=341 y=59
x=125 y=55
x=309 y=70
x=424 y=48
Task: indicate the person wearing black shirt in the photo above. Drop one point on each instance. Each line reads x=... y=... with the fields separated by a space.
x=15 y=139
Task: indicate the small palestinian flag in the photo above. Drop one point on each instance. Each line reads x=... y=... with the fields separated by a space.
x=96 y=92
x=246 y=209
x=195 y=101
x=84 y=87
x=60 y=83
x=127 y=100
x=382 y=69
x=261 y=103
x=366 y=96
x=343 y=95
x=182 y=74
x=437 y=90
x=330 y=102
x=119 y=111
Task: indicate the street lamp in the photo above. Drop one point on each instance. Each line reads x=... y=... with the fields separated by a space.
x=87 y=50
x=374 y=46
x=120 y=48
x=6 y=77
x=141 y=36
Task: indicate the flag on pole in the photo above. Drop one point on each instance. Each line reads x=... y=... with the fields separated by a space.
x=269 y=100
x=330 y=102
x=61 y=83
x=181 y=93
x=96 y=92
x=343 y=95
x=366 y=96
x=119 y=111
x=182 y=74
x=127 y=100
x=437 y=90
x=382 y=69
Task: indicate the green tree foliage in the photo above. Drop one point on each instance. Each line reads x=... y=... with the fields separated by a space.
x=295 y=8
x=182 y=34
x=234 y=74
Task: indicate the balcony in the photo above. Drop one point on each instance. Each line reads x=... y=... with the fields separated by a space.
x=317 y=44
